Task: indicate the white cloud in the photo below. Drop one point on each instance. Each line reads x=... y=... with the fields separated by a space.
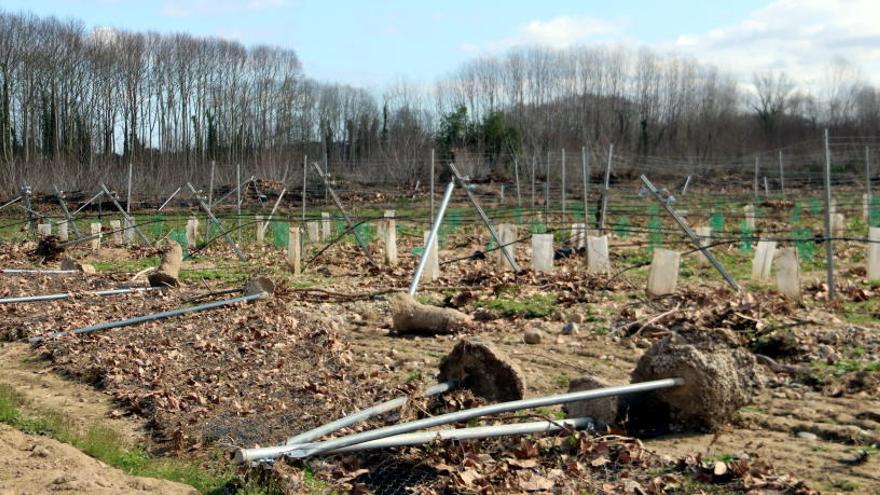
x=187 y=8
x=558 y=32
x=800 y=37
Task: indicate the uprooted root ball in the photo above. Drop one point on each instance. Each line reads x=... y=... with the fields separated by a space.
x=719 y=379
x=484 y=370
x=411 y=317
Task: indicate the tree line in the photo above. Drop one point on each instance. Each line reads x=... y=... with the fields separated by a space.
x=82 y=103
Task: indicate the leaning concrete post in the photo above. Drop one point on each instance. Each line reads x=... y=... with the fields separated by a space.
x=598 y=260
x=95 y=229
x=116 y=232
x=542 y=253
x=705 y=235
x=749 y=211
x=260 y=232
x=763 y=262
x=663 y=277
x=62 y=231
x=44 y=229
x=314 y=229
x=506 y=236
x=294 y=250
x=325 y=226
x=432 y=267
x=389 y=234
x=874 y=253
x=788 y=276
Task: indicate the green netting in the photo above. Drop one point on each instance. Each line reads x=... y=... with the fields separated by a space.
x=179 y=236
x=158 y=226
x=518 y=215
x=716 y=222
x=805 y=246
x=281 y=234
x=795 y=212
x=417 y=251
x=365 y=232
x=746 y=234
x=815 y=206
x=214 y=231
x=874 y=212
x=339 y=227
x=622 y=227
x=453 y=219
x=537 y=227
x=578 y=212
x=655 y=233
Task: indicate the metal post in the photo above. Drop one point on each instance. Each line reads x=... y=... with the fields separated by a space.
x=210 y=201
x=690 y=233
x=781 y=176
x=238 y=197
x=216 y=222
x=516 y=175
x=169 y=199
x=326 y=175
x=87 y=203
x=829 y=248
x=431 y=193
x=26 y=192
x=766 y=187
x=67 y=217
x=435 y=226
x=357 y=237
x=464 y=185
x=562 y=180
x=757 y=166
x=11 y=202
x=305 y=176
x=534 y=167
x=547 y=189
x=125 y=215
x=606 y=188
x=868 y=176
x=684 y=188
x=68 y=295
x=274 y=209
x=128 y=193
x=585 y=177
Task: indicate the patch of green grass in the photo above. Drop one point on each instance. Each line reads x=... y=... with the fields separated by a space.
x=128 y=266
x=535 y=306
x=844 y=485
x=862 y=312
x=753 y=410
x=844 y=366
x=562 y=381
x=108 y=445
x=820 y=448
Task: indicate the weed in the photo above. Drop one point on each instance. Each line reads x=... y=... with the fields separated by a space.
x=536 y=306
x=845 y=485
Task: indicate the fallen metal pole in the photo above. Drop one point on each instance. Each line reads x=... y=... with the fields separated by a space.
x=274 y=209
x=155 y=316
x=484 y=217
x=10 y=202
x=169 y=199
x=37 y=272
x=211 y=216
x=690 y=233
x=299 y=451
x=230 y=193
x=435 y=226
x=366 y=414
x=68 y=295
x=357 y=237
x=257 y=454
x=125 y=215
x=87 y=203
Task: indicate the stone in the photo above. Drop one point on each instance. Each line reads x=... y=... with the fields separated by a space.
x=663 y=275
x=542 y=253
x=533 y=337
x=570 y=328
x=805 y=435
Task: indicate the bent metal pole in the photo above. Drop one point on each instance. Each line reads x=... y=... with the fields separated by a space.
x=150 y=317
x=248 y=455
x=301 y=451
x=414 y=285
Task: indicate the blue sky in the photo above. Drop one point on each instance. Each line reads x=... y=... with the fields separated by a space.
x=373 y=42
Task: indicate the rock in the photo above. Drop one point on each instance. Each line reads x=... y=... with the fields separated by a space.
x=570 y=328
x=577 y=318
x=484 y=370
x=40 y=451
x=603 y=411
x=533 y=337
x=805 y=435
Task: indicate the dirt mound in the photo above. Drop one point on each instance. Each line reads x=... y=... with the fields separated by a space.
x=484 y=370
x=719 y=380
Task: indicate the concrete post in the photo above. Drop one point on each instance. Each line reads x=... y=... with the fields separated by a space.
x=663 y=276
x=763 y=262
x=506 y=235
x=116 y=232
x=128 y=233
x=260 y=234
x=432 y=267
x=294 y=249
x=95 y=228
x=44 y=229
x=62 y=231
x=314 y=229
x=192 y=231
x=542 y=253
x=788 y=277
x=749 y=211
x=597 y=254
x=389 y=234
x=325 y=226
x=705 y=235
x=838 y=225
x=874 y=253
x=578 y=235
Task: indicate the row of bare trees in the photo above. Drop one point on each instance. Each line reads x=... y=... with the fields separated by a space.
x=78 y=104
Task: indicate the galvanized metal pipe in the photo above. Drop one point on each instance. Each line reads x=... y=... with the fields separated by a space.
x=169 y=199
x=365 y=414
x=87 y=203
x=37 y=272
x=10 y=202
x=414 y=285
x=257 y=454
x=454 y=417
x=68 y=295
x=150 y=317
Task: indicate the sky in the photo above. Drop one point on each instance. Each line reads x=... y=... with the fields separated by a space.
x=370 y=43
